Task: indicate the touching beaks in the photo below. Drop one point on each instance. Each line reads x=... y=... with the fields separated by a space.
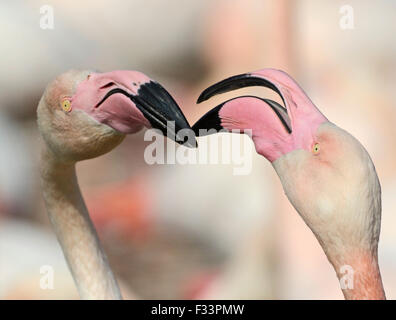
x=161 y=110
x=212 y=120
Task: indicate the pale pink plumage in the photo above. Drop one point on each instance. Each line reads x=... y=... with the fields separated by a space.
x=326 y=173
x=82 y=115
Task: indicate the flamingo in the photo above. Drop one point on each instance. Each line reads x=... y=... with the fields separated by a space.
x=83 y=115
x=326 y=173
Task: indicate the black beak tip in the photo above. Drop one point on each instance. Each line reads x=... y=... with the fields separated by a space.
x=202 y=97
x=211 y=120
x=236 y=82
x=228 y=84
x=163 y=113
x=196 y=128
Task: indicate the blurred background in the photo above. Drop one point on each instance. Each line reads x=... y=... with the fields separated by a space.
x=192 y=231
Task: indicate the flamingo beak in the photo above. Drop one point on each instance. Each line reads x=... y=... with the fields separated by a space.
x=211 y=119
x=128 y=100
x=236 y=82
x=160 y=110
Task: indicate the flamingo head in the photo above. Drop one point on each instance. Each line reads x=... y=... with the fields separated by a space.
x=326 y=173
x=84 y=114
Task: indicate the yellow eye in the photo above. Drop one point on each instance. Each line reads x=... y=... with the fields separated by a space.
x=316 y=148
x=66 y=105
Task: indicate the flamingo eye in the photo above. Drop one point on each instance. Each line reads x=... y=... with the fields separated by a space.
x=316 y=148
x=66 y=105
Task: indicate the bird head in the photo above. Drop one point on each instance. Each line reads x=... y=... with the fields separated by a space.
x=326 y=173
x=84 y=114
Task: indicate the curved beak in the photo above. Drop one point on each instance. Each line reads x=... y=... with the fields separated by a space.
x=211 y=119
x=236 y=82
x=129 y=100
x=275 y=129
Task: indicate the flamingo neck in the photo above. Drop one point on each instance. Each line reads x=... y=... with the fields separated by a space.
x=75 y=231
x=359 y=275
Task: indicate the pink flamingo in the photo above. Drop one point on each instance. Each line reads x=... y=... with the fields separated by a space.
x=326 y=173
x=82 y=115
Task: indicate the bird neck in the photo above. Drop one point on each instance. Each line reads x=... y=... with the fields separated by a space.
x=359 y=275
x=75 y=231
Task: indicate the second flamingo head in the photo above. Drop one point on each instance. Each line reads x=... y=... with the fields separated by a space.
x=326 y=173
